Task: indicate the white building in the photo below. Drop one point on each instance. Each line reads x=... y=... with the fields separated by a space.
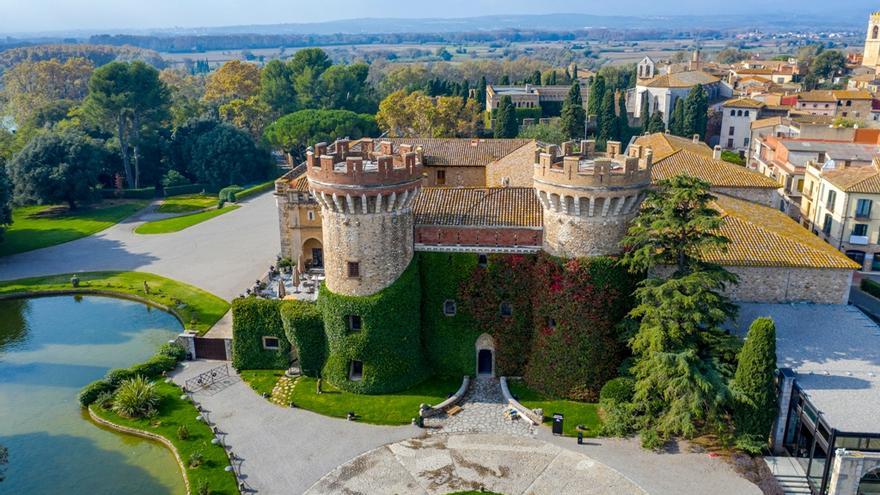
x=737 y=116
x=663 y=91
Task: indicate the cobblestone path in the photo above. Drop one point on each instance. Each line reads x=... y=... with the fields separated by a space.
x=483 y=410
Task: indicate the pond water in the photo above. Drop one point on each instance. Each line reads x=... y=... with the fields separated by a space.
x=49 y=348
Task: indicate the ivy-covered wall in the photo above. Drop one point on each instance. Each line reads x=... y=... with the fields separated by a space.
x=448 y=340
x=304 y=328
x=577 y=305
x=389 y=342
x=252 y=319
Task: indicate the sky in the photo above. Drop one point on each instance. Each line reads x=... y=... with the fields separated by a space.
x=20 y=16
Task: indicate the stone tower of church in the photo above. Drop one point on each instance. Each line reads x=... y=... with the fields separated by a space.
x=871 y=56
x=365 y=193
x=589 y=198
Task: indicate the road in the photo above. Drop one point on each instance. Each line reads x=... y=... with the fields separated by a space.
x=224 y=255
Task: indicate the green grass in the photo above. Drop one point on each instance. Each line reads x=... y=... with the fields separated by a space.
x=254 y=190
x=576 y=413
x=174 y=412
x=177 y=224
x=35 y=227
x=198 y=309
x=187 y=203
x=387 y=409
x=262 y=381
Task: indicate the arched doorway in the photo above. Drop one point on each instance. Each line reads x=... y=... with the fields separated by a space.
x=485 y=347
x=870 y=483
x=312 y=254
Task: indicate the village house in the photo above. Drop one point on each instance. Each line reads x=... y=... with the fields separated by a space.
x=663 y=91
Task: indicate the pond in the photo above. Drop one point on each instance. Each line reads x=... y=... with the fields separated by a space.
x=49 y=348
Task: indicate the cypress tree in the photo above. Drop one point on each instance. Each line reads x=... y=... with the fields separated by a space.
x=567 y=76
x=607 y=120
x=597 y=92
x=753 y=386
x=696 y=112
x=481 y=92
x=506 y=125
x=552 y=80
x=536 y=78
x=505 y=80
x=655 y=123
x=623 y=130
x=573 y=115
x=676 y=120
x=645 y=114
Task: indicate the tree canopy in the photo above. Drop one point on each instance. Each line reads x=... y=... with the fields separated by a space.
x=297 y=131
x=5 y=199
x=31 y=86
x=573 y=118
x=233 y=80
x=419 y=115
x=696 y=112
x=506 y=124
x=753 y=386
x=225 y=155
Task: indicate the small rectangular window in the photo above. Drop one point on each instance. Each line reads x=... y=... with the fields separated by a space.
x=860 y=230
x=551 y=322
x=483 y=260
x=441 y=177
x=832 y=198
x=732 y=131
x=826 y=226
x=506 y=310
x=863 y=208
x=354 y=269
x=353 y=322
x=271 y=343
x=356 y=371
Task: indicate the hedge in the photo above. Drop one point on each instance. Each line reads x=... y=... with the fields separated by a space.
x=618 y=390
x=449 y=340
x=252 y=319
x=254 y=190
x=165 y=359
x=871 y=287
x=389 y=343
x=184 y=189
x=229 y=193
x=142 y=193
x=304 y=328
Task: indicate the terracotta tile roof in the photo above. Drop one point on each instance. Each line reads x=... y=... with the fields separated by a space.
x=763 y=236
x=855 y=179
x=817 y=95
x=681 y=80
x=853 y=94
x=754 y=71
x=663 y=145
x=743 y=103
x=478 y=207
x=717 y=172
x=300 y=184
x=462 y=152
x=768 y=122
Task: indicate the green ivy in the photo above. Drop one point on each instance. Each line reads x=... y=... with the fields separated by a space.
x=304 y=328
x=449 y=340
x=252 y=319
x=389 y=343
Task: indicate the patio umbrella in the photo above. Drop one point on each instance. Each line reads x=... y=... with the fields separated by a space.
x=281 y=291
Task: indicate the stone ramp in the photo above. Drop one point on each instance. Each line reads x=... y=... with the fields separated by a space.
x=442 y=464
x=483 y=408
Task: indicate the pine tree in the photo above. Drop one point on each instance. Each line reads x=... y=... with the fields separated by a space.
x=676 y=120
x=573 y=116
x=655 y=123
x=680 y=347
x=597 y=93
x=753 y=387
x=607 y=121
x=506 y=125
x=696 y=112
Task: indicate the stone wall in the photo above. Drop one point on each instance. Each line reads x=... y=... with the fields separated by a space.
x=762 y=196
x=572 y=236
x=784 y=285
x=471 y=236
x=456 y=176
x=517 y=168
x=382 y=243
x=848 y=469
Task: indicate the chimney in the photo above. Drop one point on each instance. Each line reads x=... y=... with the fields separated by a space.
x=716 y=152
x=696 y=138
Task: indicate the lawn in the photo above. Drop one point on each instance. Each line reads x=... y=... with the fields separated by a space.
x=198 y=309
x=174 y=412
x=262 y=381
x=387 y=409
x=187 y=203
x=576 y=413
x=177 y=224
x=35 y=227
x=255 y=190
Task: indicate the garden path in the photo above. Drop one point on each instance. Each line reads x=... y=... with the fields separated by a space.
x=483 y=408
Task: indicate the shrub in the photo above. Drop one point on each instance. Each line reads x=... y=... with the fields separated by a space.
x=753 y=386
x=304 y=328
x=174 y=350
x=389 y=343
x=90 y=392
x=136 y=398
x=618 y=419
x=618 y=390
x=254 y=190
x=142 y=193
x=196 y=459
x=253 y=319
x=155 y=366
x=185 y=189
x=182 y=432
x=228 y=193
x=105 y=400
x=871 y=287
x=174 y=178
x=118 y=375
x=203 y=488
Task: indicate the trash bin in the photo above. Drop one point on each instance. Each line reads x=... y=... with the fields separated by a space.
x=558 y=419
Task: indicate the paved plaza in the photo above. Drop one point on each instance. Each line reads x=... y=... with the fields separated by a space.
x=482 y=411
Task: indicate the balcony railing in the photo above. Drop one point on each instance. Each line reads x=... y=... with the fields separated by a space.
x=858 y=240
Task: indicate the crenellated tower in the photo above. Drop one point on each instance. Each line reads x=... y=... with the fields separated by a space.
x=589 y=198
x=365 y=190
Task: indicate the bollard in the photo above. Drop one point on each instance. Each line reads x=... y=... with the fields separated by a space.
x=580 y=438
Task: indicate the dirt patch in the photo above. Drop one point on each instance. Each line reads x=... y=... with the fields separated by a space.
x=755 y=470
x=483 y=471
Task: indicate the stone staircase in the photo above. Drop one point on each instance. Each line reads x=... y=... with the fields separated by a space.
x=793 y=485
x=789 y=474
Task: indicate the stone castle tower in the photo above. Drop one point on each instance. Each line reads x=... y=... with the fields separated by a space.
x=871 y=56
x=589 y=198
x=366 y=197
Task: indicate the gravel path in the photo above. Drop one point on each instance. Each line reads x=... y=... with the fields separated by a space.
x=483 y=410
x=223 y=255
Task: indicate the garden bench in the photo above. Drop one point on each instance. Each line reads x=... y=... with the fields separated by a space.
x=452 y=411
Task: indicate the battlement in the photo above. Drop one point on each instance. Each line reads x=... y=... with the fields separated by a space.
x=363 y=164
x=574 y=165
